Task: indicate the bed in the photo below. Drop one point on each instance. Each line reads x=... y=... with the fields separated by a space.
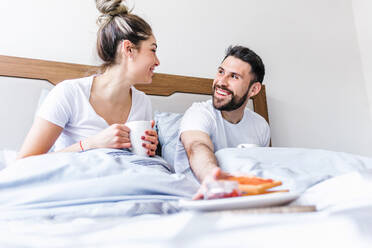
x=111 y=198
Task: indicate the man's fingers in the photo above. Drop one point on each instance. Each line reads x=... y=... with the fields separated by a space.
x=216 y=173
x=197 y=196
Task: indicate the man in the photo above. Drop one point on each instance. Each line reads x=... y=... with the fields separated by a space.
x=223 y=121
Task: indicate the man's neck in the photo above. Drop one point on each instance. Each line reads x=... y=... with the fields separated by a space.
x=234 y=116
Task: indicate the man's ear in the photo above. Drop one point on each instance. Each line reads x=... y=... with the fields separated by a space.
x=255 y=89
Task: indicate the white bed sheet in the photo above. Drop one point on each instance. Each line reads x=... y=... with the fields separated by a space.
x=7 y=157
x=192 y=229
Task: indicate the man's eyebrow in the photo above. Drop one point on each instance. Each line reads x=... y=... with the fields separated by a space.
x=235 y=73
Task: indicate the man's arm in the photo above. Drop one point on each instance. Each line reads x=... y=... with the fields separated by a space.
x=200 y=152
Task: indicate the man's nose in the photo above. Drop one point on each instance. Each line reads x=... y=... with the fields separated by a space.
x=223 y=80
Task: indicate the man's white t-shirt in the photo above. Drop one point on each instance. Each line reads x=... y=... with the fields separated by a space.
x=67 y=105
x=202 y=116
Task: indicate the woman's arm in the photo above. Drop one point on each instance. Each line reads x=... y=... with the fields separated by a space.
x=40 y=138
x=43 y=134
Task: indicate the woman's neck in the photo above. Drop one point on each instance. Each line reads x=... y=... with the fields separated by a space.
x=112 y=85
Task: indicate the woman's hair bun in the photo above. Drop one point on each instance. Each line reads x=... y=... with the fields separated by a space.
x=112 y=7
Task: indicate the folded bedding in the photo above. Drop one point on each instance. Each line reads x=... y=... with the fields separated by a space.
x=329 y=180
x=95 y=177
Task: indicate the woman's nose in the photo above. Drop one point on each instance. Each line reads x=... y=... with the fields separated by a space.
x=157 y=61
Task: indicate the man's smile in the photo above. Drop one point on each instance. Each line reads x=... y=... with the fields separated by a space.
x=222 y=92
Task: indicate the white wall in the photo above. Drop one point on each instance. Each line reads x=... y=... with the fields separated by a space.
x=363 y=20
x=41 y=29
x=316 y=89
x=315 y=85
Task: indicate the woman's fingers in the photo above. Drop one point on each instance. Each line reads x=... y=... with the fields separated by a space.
x=121 y=140
x=126 y=145
x=151 y=133
x=124 y=128
x=151 y=136
x=150 y=147
x=151 y=139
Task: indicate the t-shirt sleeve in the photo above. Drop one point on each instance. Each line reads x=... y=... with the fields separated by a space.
x=56 y=107
x=142 y=107
x=266 y=135
x=197 y=118
x=148 y=110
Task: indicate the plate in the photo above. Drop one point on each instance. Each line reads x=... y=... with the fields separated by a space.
x=253 y=201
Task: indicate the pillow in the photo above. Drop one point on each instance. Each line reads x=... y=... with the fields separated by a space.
x=167 y=125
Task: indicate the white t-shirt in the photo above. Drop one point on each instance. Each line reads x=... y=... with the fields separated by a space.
x=67 y=105
x=202 y=116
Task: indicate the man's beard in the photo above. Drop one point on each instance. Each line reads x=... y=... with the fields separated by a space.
x=233 y=104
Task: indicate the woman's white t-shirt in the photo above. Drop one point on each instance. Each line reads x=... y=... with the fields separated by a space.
x=68 y=106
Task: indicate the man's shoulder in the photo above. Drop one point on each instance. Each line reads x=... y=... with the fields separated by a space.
x=254 y=117
x=200 y=116
x=202 y=106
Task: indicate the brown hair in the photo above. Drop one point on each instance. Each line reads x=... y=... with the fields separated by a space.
x=117 y=24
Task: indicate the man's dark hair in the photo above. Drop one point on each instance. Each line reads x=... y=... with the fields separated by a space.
x=247 y=55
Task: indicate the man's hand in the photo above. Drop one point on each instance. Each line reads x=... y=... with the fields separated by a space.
x=216 y=174
x=200 y=152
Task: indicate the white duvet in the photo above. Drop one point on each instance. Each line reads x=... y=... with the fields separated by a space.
x=86 y=199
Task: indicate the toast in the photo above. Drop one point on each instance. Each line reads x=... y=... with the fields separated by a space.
x=252 y=185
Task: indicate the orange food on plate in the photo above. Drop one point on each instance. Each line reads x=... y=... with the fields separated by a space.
x=252 y=180
x=252 y=185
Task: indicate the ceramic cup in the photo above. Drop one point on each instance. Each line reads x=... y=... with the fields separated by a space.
x=137 y=130
x=247 y=145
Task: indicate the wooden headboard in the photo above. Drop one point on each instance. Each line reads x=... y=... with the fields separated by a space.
x=162 y=84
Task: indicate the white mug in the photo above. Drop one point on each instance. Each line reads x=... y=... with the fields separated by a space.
x=137 y=130
x=247 y=145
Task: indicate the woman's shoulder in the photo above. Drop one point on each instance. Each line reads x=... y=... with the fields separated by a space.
x=73 y=86
x=139 y=95
x=77 y=82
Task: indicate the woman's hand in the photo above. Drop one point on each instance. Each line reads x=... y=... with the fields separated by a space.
x=152 y=137
x=115 y=136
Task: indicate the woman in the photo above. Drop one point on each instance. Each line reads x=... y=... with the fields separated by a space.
x=90 y=112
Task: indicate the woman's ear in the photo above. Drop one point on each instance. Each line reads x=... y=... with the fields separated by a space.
x=127 y=48
x=255 y=89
